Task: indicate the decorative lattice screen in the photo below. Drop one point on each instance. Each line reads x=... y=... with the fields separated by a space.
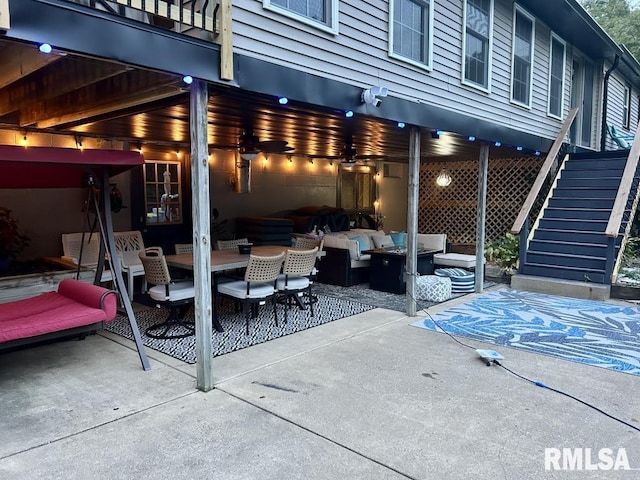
x=453 y=209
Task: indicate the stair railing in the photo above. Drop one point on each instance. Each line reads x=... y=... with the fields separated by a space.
x=521 y=223
x=615 y=219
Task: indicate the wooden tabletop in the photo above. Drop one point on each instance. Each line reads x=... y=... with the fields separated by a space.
x=226 y=259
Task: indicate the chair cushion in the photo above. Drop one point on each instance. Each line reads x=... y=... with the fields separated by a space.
x=177 y=291
x=238 y=289
x=455 y=260
x=382 y=241
x=294 y=283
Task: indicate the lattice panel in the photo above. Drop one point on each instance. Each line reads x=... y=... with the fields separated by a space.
x=453 y=209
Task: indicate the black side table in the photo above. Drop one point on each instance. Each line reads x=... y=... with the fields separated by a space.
x=388 y=269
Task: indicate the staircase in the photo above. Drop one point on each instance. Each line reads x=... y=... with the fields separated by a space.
x=569 y=242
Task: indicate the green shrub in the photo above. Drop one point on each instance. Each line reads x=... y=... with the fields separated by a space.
x=504 y=251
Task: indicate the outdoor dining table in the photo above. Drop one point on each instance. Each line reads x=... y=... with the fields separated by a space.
x=223 y=260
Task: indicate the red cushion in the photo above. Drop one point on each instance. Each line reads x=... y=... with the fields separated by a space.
x=52 y=312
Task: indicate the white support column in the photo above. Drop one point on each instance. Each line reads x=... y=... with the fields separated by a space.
x=483 y=168
x=201 y=234
x=412 y=218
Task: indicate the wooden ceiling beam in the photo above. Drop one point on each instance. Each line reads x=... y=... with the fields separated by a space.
x=18 y=61
x=109 y=95
x=61 y=77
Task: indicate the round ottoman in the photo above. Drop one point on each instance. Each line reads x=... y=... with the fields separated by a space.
x=462 y=281
x=433 y=288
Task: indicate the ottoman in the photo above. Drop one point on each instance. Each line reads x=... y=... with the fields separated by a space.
x=462 y=281
x=433 y=288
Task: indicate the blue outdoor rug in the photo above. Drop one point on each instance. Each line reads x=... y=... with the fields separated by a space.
x=585 y=331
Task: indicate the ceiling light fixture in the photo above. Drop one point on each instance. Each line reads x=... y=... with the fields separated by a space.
x=444 y=178
x=472 y=138
x=283 y=100
x=188 y=79
x=498 y=143
x=248 y=156
x=401 y=125
x=348 y=114
x=45 y=48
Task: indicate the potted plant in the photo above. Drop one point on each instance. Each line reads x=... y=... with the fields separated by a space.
x=12 y=242
x=504 y=253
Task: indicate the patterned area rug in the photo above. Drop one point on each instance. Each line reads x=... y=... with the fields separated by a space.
x=234 y=337
x=363 y=294
x=596 y=333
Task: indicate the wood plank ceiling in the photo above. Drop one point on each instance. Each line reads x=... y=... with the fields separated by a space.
x=74 y=95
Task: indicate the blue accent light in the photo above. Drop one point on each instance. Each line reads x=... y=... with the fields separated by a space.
x=537 y=153
x=519 y=148
x=45 y=48
x=439 y=132
x=401 y=125
x=498 y=143
x=348 y=114
x=283 y=100
x=472 y=138
x=188 y=79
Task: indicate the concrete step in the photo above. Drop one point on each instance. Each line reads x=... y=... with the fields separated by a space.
x=567 y=288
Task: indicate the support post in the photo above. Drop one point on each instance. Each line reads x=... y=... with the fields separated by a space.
x=201 y=234
x=412 y=219
x=226 y=41
x=522 y=245
x=483 y=168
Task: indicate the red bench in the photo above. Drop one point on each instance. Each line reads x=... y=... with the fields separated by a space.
x=76 y=308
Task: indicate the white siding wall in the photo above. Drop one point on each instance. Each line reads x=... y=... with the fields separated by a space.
x=358 y=55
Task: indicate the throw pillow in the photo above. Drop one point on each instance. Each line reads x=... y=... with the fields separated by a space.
x=363 y=243
x=382 y=241
x=399 y=239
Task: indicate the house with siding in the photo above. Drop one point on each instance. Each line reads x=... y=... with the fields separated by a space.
x=285 y=84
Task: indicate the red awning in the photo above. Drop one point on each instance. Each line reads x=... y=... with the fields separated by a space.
x=51 y=167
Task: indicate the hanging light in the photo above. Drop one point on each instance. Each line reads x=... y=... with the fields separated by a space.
x=444 y=178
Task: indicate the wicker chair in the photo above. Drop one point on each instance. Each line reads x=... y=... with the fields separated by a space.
x=306 y=243
x=258 y=285
x=174 y=295
x=183 y=248
x=230 y=244
x=295 y=278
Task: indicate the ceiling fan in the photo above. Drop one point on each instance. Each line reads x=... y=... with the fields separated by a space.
x=349 y=156
x=249 y=144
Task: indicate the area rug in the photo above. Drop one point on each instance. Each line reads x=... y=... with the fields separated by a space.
x=585 y=331
x=363 y=294
x=234 y=337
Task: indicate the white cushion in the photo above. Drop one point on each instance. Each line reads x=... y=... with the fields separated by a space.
x=344 y=243
x=363 y=261
x=238 y=289
x=433 y=288
x=459 y=260
x=382 y=241
x=432 y=241
x=293 y=283
x=177 y=291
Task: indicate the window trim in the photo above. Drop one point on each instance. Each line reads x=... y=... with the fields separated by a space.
x=428 y=65
x=489 y=69
x=564 y=76
x=332 y=26
x=626 y=106
x=517 y=9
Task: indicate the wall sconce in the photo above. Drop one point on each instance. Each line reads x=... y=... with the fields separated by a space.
x=290 y=158
x=444 y=178
x=25 y=140
x=78 y=140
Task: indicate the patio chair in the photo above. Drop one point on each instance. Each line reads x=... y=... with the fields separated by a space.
x=306 y=243
x=175 y=295
x=623 y=141
x=128 y=247
x=258 y=285
x=230 y=244
x=295 y=278
x=183 y=248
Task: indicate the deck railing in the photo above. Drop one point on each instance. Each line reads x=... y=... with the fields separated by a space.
x=204 y=19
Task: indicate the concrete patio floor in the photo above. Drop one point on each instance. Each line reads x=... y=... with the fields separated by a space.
x=366 y=397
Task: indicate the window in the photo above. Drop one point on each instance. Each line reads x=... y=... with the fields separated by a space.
x=556 y=77
x=163 y=189
x=478 y=24
x=356 y=189
x=522 y=60
x=626 y=107
x=322 y=14
x=410 y=31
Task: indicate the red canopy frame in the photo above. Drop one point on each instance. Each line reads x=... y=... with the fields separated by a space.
x=52 y=167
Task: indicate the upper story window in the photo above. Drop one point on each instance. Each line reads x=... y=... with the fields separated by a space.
x=477 y=38
x=557 y=66
x=322 y=14
x=626 y=107
x=522 y=57
x=410 y=31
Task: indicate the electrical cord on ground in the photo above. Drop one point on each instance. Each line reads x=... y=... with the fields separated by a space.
x=522 y=377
